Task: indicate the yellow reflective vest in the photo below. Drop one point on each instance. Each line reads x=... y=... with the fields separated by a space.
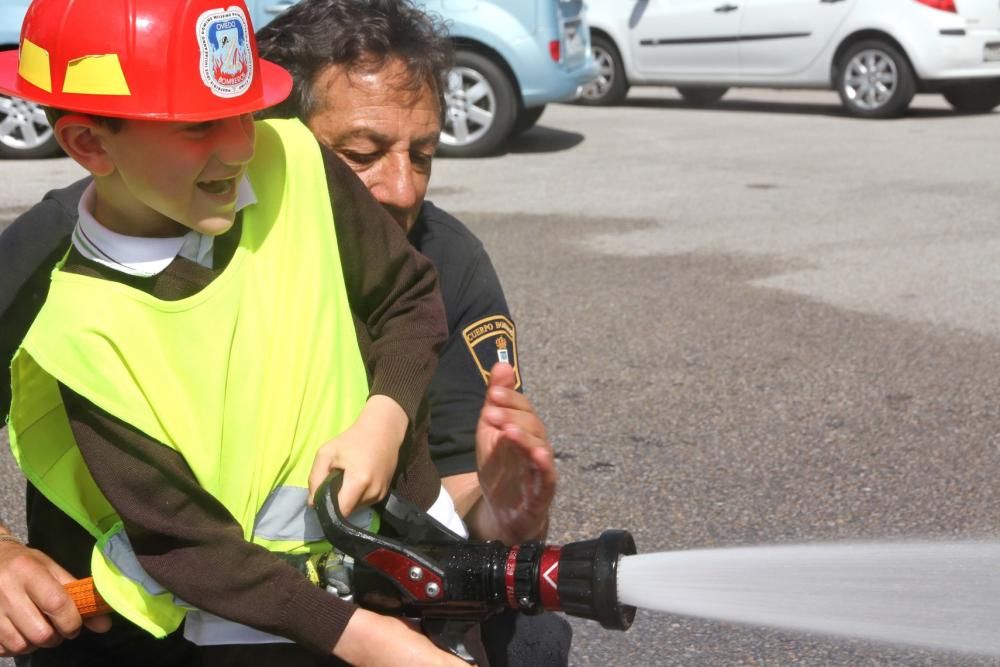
x=245 y=379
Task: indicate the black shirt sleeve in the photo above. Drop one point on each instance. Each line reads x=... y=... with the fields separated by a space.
x=473 y=296
x=29 y=249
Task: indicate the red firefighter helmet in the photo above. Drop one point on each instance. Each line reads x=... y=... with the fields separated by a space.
x=180 y=60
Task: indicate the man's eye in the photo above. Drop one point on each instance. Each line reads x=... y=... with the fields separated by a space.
x=422 y=160
x=360 y=158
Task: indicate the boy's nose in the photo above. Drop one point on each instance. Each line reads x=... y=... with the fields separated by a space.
x=236 y=140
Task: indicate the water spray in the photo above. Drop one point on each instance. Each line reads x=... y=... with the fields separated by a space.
x=941 y=595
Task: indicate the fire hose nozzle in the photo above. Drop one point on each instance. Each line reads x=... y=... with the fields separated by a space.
x=418 y=567
x=581 y=579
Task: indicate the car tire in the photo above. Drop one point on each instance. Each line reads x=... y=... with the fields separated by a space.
x=979 y=97
x=875 y=80
x=702 y=96
x=481 y=107
x=611 y=85
x=527 y=118
x=24 y=130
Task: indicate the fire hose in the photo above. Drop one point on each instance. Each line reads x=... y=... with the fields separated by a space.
x=417 y=567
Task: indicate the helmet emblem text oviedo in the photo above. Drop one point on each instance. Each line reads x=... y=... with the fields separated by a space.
x=226 y=62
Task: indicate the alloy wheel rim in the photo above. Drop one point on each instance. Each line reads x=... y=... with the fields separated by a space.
x=23 y=125
x=871 y=79
x=605 y=75
x=471 y=107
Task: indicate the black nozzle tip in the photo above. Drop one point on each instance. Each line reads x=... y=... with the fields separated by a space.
x=611 y=546
x=588 y=579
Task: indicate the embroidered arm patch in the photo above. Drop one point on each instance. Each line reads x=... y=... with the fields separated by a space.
x=491 y=340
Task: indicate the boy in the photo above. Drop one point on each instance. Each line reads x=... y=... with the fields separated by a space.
x=172 y=405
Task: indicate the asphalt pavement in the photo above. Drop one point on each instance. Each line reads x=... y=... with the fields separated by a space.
x=759 y=323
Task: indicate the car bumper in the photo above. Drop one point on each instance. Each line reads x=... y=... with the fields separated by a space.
x=959 y=54
x=562 y=84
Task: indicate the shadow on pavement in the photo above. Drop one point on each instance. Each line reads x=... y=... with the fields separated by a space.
x=542 y=139
x=799 y=108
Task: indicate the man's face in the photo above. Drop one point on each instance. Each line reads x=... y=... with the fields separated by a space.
x=384 y=132
x=167 y=173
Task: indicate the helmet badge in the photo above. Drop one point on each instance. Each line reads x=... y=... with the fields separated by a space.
x=226 y=61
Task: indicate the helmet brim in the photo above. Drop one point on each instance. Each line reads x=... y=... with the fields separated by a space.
x=276 y=84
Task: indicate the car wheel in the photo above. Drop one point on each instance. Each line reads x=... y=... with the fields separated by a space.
x=481 y=107
x=24 y=130
x=875 y=80
x=527 y=118
x=980 y=97
x=611 y=86
x=702 y=96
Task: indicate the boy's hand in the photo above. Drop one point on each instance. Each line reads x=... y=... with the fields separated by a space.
x=367 y=452
x=373 y=640
x=35 y=609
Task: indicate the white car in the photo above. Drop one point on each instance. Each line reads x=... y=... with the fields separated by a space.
x=875 y=53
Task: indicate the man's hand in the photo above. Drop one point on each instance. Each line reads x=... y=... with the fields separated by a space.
x=516 y=465
x=372 y=640
x=367 y=452
x=35 y=610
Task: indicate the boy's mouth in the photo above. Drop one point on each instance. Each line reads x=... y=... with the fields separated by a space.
x=223 y=186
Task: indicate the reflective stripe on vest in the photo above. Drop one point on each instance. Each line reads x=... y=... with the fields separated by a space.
x=118 y=549
x=205 y=629
x=246 y=379
x=285 y=517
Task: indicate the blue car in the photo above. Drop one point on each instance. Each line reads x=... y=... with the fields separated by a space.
x=512 y=58
x=24 y=130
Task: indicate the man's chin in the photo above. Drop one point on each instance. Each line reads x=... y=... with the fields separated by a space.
x=405 y=220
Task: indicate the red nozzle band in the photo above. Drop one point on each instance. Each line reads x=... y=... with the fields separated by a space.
x=508 y=577
x=548 y=578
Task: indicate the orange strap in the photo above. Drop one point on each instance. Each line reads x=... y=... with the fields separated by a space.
x=86 y=598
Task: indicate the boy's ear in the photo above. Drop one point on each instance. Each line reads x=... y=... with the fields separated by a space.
x=81 y=137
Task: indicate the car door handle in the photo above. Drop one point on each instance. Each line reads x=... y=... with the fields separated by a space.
x=829 y=2
x=278 y=8
x=722 y=9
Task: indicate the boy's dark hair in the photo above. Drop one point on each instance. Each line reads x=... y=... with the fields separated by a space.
x=113 y=124
x=359 y=35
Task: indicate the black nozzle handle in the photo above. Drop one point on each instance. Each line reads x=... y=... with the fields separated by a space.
x=341 y=533
x=398 y=562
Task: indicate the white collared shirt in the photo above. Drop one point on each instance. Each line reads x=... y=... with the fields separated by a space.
x=138 y=255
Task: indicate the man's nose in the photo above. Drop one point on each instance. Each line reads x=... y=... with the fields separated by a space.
x=397 y=187
x=236 y=140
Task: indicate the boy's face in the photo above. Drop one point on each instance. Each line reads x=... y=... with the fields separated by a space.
x=167 y=173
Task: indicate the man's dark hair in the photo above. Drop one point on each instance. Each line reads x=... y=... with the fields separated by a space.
x=359 y=35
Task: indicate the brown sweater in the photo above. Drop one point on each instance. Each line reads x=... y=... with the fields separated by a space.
x=196 y=550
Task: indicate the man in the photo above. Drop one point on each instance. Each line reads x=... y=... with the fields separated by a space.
x=367 y=83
